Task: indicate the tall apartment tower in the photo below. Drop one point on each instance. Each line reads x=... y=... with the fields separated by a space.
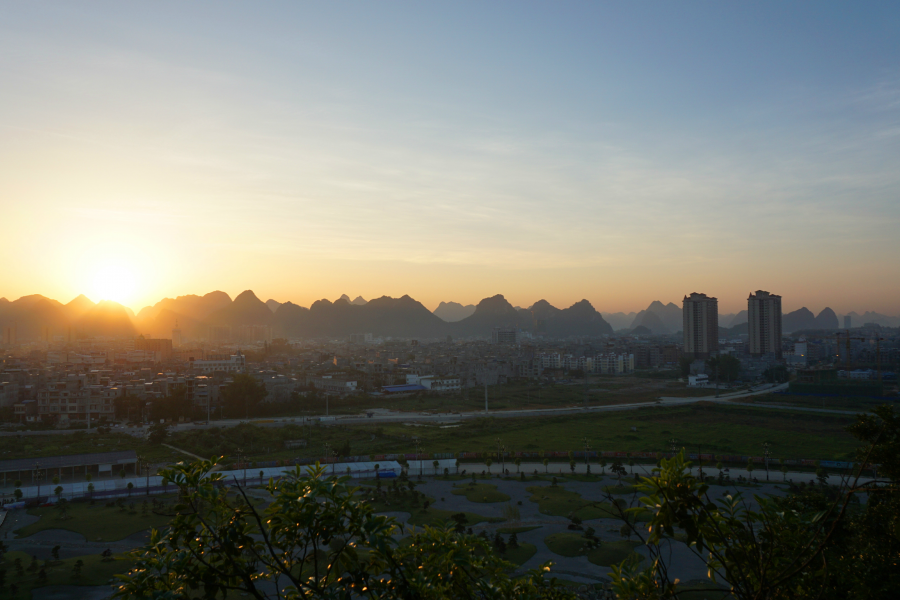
x=764 y=323
x=701 y=325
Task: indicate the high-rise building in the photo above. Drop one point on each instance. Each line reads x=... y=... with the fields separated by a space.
x=162 y=348
x=764 y=323
x=700 y=314
x=176 y=335
x=505 y=335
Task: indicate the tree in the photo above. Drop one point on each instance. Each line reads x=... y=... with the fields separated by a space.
x=488 y=462
x=241 y=397
x=518 y=463
x=728 y=367
x=122 y=474
x=130 y=487
x=460 y=521
x=603 y=465
x=546 y=462
x=377 y=466
x=18 y=494
x=55 y=552
x=618 y=470
x=806 y=545
x=157 y=433
x=435 y=464
x=90 y=489
x=314 y=540
x=776 y=374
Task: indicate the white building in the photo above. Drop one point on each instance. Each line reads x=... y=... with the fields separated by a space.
x=236 y=363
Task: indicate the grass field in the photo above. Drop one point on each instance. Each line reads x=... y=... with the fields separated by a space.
x=95 y=571
x=419 y=516
x=480 y=492
x=518 y=529
x=560 y=502
x=97 y=522
x=712 y=428
x=518 y=556
x=574 y=544
x=720 y=429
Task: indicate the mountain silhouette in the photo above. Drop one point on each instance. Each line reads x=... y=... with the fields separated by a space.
x=489 y=313
x=801 y=318
x=454 y=311
x=106 y=319
x=273 y=304
x=78 y=307
x=826 y=319
x=192 y=306
x=246 y=309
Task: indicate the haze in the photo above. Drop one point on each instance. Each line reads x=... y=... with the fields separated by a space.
x=616 y=152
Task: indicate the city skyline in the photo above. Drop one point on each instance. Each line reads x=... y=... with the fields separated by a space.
x=617 y=153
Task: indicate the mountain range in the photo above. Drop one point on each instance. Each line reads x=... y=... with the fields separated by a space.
x=35 y=316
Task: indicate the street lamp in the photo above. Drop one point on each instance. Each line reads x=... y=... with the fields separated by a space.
x=766 y=456
x=500 y=451
x=242 y=460
x=674 y=445
x=417 y=455
x=38 y=475
x=587 y=448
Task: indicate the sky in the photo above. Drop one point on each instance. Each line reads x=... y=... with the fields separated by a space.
x=618 y=152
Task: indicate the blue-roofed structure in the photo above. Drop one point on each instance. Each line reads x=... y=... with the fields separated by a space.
x=403 y=389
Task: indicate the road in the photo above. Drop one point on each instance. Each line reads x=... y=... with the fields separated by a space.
x=384 y=416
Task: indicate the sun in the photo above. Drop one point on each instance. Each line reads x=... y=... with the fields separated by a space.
x=113 y=280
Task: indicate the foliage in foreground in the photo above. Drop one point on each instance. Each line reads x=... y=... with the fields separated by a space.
x=315 y=540
x=815 y=543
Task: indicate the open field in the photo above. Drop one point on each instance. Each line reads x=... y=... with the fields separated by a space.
x=571 y=544
x=601 y=390
x=480 y=492
x=94 y=571
x=714 y=428
x=824 y=402
x=98 y=522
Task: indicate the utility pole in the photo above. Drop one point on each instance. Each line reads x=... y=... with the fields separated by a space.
x=587 y=448
x=766 y=458
x=500 y=449
x=485 y=395
x=700 y=461
x=327 y=449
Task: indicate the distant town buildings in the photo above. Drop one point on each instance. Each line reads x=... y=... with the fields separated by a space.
x=701 y=325
x=236 y=363
x=505 y=335
x=764 y=324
